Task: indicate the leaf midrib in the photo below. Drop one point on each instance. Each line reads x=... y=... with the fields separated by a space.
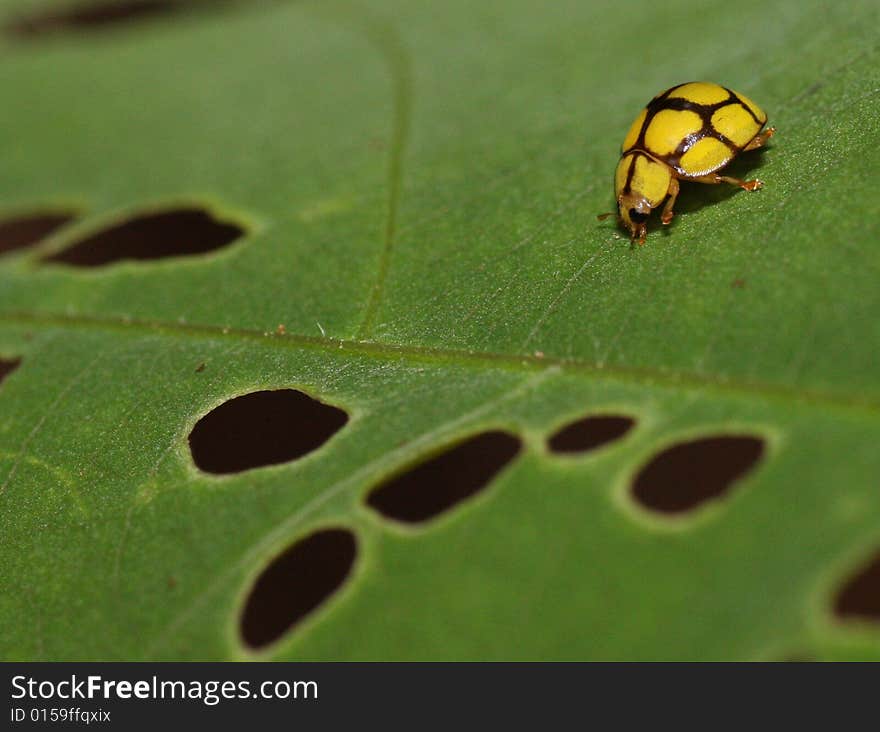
x=525 y=363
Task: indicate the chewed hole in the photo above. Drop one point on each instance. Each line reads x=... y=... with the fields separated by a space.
x=25 y=231
x=859 y=598
x=686 y=475
x=589 y=433
x=88 y=16
x=429 y=488
x=296 y=583
x=175 y=233
x=7 y=366
x=262 y=428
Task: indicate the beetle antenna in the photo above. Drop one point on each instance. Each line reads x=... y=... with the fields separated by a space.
x=604 y=216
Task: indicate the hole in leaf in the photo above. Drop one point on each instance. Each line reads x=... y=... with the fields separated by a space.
x=860 y=596
x=88 y=16
x=295 y=583
x=589 y=433
x=262 y=428
x=25 y=231
x=688 y=474
x=175 y=233
x=429 y=488
x=7 y=367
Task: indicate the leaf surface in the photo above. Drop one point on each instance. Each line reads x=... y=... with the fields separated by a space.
x=418 y=186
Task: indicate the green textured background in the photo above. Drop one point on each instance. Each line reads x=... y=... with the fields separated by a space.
x=420 y=182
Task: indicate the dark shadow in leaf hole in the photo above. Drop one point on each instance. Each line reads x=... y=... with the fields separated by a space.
x=175 y=233
x=589 y=433
x=25 y=231
x=89 y=15
x=686 y=475
x=429 y=488
x=295 y=583
x=7 y=366
x=262 y=428
x=859 y=598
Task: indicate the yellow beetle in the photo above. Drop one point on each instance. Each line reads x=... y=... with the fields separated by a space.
x=686 y=133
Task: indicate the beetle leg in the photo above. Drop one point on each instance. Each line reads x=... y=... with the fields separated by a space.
x=761 y=139
x=748 y=185
x=668 y=213
x=639 y=234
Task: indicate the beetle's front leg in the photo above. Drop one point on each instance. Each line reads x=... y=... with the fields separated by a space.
x=668 y=213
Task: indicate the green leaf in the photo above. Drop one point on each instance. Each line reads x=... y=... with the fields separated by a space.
x=418 y=185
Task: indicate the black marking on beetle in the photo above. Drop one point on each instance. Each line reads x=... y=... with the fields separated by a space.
x=630 y=173
x=687 y=142
x=707 y=130
x=680 y=103
x=668 y=104
x=674 y=160
x=632 y=167
x=640 y=140
x=705 y=111
x=746 y=107
x=716 y=135
x=657 y=104
x=660 y=97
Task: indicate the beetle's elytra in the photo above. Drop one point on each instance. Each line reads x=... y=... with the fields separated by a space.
x=688 y=132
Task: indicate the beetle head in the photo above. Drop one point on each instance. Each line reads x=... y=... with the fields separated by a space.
x=634 y=211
